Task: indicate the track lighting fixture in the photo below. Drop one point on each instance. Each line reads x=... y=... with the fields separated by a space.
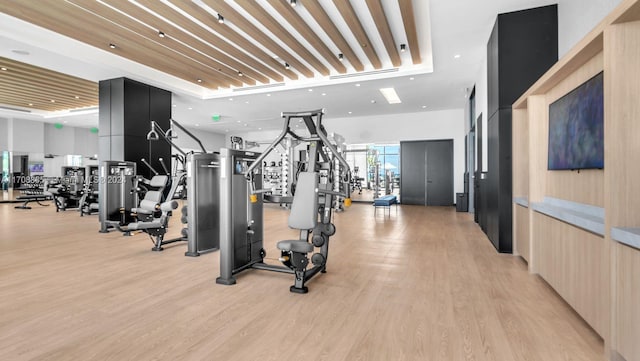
x=220 y=19
x=240 y=73
x=161 y=34
x=287 y=66
x=403 y=47
x=340 y=57
x=293 y=3
x=112 y=46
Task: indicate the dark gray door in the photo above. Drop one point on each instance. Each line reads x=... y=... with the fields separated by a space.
x=440 y=173
x=413 y=180
x=427 y=172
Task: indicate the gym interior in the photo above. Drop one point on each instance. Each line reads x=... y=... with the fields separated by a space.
x=319 y=180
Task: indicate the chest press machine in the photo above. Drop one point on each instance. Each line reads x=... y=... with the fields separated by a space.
x=241 y=241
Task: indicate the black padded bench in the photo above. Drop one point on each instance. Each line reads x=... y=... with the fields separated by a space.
x=38 y=198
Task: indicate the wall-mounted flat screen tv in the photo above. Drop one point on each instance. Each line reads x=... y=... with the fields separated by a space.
x=576 y=128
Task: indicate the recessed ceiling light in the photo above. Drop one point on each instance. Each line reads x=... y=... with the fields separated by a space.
x=411 y=78
x=3 y=69
x=245 y=124
x=350 y=112
x=268 y=95
x=199 y=80
x=30 y=104
x=424 y=106
x=247 y=102
x=197 y=125
x=77 y=97
x=112 y=46
x=457 y=56
x=230 y=99
x=53 y=101
x=323 y=94
x=310 y=90
x=161 y=34
x=358 y=84
x=391 y=95
x=190 y=108
x=239 y=121
x=259 y=128
x=373 y=101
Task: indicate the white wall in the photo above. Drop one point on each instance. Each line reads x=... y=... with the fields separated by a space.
x=211 y=141
x=4 y=134
x=444 y=124
x=28 y=136
x=576 y=18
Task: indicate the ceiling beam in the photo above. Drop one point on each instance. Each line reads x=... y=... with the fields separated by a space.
x=233 y=37
x=379 y=17
x=237 y=59
x=221 y=62
x=408 y=19
x=293 y=18
x=230 y=14
x=74 y=22
x=317 y=12
x=215 y=79
x=350 y=17
x=270 y=23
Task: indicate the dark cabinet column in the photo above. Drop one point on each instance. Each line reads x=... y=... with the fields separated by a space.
x=126 y=110
x=522 y=47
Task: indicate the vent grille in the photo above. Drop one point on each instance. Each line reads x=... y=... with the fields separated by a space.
x=364 y=73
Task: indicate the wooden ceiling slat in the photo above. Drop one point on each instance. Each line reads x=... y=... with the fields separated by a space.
x=228 y=75
x=27 y=98
x=41 y=88
x=379 y=17
x=15 y=104
x=350 y=17
x=215 y=79
x=55 y=15
x=250 y=69
x=230 y=14
x=278 y=30
x=239 y=41
x=317 y=12
x=43 y=82
x=32 y=71
x=408 y=19
x=31 y=94
x=289 y=13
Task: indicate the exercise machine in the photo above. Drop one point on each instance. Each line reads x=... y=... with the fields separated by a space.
x=89 y=202
x=241 y=200
x=68 y=193
x=117 y=194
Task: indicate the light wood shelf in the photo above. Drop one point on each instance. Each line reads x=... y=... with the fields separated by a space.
x=591 y=260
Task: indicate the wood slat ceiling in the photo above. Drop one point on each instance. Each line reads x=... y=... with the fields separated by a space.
x=25 y=86
x=250 y=48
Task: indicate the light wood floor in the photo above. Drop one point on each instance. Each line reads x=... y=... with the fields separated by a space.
x=423 y=284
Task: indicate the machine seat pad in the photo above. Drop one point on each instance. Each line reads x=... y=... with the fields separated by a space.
x=144 y=225
x=141 y=211
x=295 y=246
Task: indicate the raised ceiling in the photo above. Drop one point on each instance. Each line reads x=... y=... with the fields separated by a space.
x=259 y=43
x=24 y=86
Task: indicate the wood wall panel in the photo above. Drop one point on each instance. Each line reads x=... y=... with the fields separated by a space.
x=520 y=149
x=627 y=317
x=576 y=264
x=521 y=231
